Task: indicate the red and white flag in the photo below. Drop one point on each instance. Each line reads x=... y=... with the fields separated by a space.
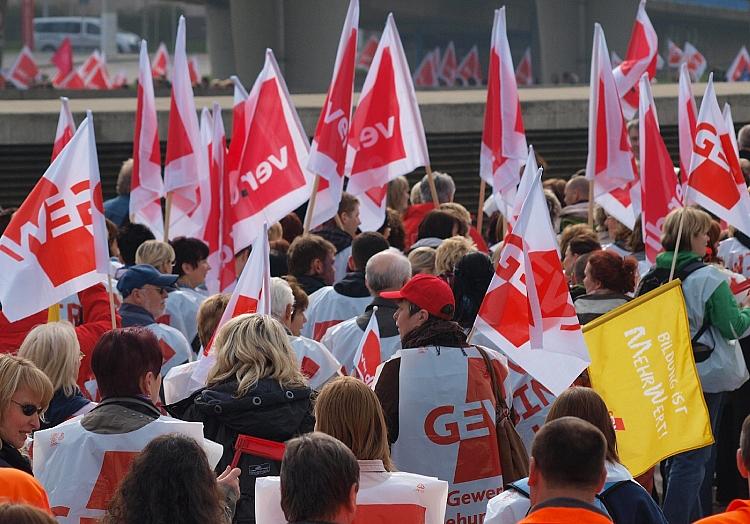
x=99 y=78
x=386 y=138
x=469 y=70
x=674 y=55
x=63 y=60
x=62 y=214
x=426 y=74
x=24 y=71
x=615 y=58
x=367 y=53
x=524 y=73
x=251 y=295
x=206 y=185
x=218 y=256
x=328 y=151
x=695 y=61
x=367 y=356
x=160 y=63
x=527 y=311
x=194 y=70
x=610 y=164
x=73 y=81
x=146 y=185
x=640 y=58
x=448 y=66
x=740 y=67
x=503 y=149
x=119 y=80
x=66 y=127
x=89 y=65
x=273 y=181
x=716 y=182
x=185 y=155
x=658 y=179
x=687 y=115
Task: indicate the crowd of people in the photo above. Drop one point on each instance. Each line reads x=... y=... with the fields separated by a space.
x=284 y=432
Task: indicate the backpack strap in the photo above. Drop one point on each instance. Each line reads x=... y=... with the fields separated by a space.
x=520 y=486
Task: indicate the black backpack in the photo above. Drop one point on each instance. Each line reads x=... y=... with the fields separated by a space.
x=659 y=276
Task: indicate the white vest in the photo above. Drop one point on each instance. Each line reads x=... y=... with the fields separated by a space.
x=447 y=425
x=382 y=497
x=81 y=470
x=341 y=263
x=315 y=361
x=343 y=339
x=735 y=255
x=328 y=308
x=182 y=310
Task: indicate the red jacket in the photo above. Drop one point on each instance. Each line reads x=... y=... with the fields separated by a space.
x=414 y=216
x=96 y=321
x=738 y=512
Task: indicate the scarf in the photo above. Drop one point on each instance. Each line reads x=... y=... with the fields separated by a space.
x=435 y=332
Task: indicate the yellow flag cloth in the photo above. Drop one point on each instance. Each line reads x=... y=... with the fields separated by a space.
x=53 y=313
x=643 y=367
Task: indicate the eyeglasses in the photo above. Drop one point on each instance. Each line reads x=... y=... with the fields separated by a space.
x=29 y=409
x=160 y=290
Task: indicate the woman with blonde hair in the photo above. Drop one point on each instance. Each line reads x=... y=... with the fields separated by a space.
x=449 y=252
x=349 y=411
x=624 y=499
x=422 y=260
x=255 y=388
x=25 y=392
x=54 y=349
x=158 y=254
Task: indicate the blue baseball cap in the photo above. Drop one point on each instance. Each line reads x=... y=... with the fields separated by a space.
x=139 y=275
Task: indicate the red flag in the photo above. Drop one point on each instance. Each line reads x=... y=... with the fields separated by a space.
x=716 y=182
x=386 y=138
x=160 y=63
x=63 y=214
x=469 y=68
x=89 y=65
x=368 y=356
x=658 y=179
x=367 y=53
x=740 y=67
x=185 y=156
x=527 y=312
x=218 y=257
x=66 y=128
x=640 y=58
x=63 y=58
x=448 y=66
x=98 y=78
x=273 y=181
x=426 y=74
x=328 y=151
x=73 y=81
x=687 y=114
x=610 y=164
x=24 y=70
x=674 y=58
x=194 y=70
x=695 y=61
x=524 y=72
x=146 y=185
x=251 y=295
x=503 y=147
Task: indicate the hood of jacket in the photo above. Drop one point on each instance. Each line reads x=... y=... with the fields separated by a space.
x=352 y=285
x=267 y=411
x=336 y=236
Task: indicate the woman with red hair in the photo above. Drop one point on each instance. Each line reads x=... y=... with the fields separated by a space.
x=609 y=278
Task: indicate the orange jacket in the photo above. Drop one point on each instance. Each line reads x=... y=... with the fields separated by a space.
x=738 y=512
x=565 y=511
x=19 y=487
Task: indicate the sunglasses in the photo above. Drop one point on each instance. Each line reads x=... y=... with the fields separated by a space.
x=29 y=409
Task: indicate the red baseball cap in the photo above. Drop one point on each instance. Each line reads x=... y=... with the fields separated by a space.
x=429 y=293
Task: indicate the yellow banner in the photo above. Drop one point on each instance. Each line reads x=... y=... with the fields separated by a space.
x=642 y=365
x=53 y=313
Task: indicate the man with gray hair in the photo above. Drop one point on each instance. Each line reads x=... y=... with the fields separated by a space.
x=743 y=141
x=314 y=359
x=445 y=189
x=385 y=271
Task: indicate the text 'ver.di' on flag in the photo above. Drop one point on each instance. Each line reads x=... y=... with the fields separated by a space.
x=642 y=366
x=62 y=214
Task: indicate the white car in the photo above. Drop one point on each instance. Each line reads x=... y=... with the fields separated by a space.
x=84 y=33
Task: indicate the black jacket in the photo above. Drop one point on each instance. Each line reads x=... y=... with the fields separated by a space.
x=310 y=283
x=62 y=407
x=10 y=457
x=352 y=285
x=267 y=411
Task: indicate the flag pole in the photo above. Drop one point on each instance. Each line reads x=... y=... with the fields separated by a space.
x=167 y=213
x=480 y=209
x=679 y=236
x=111 y=301
x=431 y=182
x=311 y=204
